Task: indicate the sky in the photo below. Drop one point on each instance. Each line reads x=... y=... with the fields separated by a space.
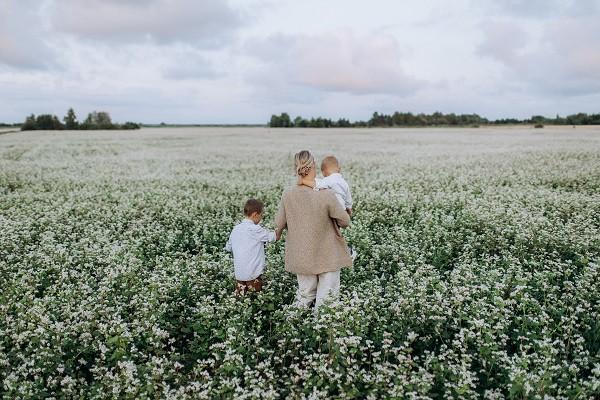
x=239 y=61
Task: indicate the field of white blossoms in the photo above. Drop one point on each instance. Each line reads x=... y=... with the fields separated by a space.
x=477 y=277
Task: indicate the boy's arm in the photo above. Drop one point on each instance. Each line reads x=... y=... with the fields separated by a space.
x=264 y=235
x=228 y=245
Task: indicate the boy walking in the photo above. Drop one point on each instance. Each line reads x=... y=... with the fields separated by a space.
x=247 y=243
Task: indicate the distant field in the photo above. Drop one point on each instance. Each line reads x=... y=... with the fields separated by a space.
x=477 y=274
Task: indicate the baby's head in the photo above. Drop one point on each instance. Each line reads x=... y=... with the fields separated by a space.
x=253 y=210
x=330 y=165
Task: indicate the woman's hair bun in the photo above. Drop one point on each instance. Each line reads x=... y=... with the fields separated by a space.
x=303 y=161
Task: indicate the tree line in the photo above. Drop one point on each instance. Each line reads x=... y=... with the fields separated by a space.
x=94 y=120
x=436 y=119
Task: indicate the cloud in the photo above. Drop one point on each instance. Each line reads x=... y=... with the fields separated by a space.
x=196 y=60
x=503 y=41
x=539 y=8
x=337 y=61
x=206 y=23
x=22 y=36
x=570 y=53
x=190 y=64
x=564 y=60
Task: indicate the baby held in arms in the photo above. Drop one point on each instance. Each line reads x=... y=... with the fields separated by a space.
x=333 y=179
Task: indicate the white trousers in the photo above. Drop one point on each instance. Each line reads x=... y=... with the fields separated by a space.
x=317 y=288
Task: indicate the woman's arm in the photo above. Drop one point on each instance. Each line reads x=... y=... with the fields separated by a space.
x=337 y=212
x=280 y=219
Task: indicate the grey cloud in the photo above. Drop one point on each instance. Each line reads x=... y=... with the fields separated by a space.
x=540 y=8
x=338 y=61
x=566 y=61
x=190 y=65
x=502 y=41
x=207 y=23
x=22 y=36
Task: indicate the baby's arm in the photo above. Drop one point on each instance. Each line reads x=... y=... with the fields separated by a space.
x=348 y=199
x=322 y=184
x=228 y=245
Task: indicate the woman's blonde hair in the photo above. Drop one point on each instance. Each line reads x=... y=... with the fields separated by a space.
x=303 y=161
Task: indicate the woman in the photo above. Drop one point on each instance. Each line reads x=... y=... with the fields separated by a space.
x=314 y=248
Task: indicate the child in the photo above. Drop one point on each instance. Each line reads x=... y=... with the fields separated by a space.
x=246 y=241
x=333 y=179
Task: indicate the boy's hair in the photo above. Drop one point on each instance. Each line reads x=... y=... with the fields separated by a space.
x=253 y=206
x=330 y=162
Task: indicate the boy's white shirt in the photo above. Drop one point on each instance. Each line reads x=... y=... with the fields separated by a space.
x=338 y=184
x=246 y=242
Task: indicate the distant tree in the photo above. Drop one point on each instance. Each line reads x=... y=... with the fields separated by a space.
x=275 y=121
x=71 y=120
x=320 y=123
x=578 y=119
x=130 y=125
x=299 y=122
x=421 y=120
x=594 y=119
x=89 y=123
x=56 y=124
x=451 y=119
x=98 y=120
x=558 y=120
x=94 y=120
x=435 y=119
x=281 y=121
x=48 y=122
x=343 y=123
x=29 y=124
x=538 y=119
x=285 y=120
x=103 y=120
x=377 y=120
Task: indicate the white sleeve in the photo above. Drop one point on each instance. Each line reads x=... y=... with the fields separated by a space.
x=264 y=235
x=322 y=184
x=348 y=199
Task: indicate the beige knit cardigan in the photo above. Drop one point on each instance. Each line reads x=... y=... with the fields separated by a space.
x=313 y=244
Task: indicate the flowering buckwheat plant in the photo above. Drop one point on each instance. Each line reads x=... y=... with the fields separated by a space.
x=477 y=276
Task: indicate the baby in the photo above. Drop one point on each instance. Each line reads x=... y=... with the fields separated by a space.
x=247 y=242
x=333 y=179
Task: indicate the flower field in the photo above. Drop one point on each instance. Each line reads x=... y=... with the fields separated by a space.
x=478 y=274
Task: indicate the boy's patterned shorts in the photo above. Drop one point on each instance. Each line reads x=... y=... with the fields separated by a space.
x=243 y=287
